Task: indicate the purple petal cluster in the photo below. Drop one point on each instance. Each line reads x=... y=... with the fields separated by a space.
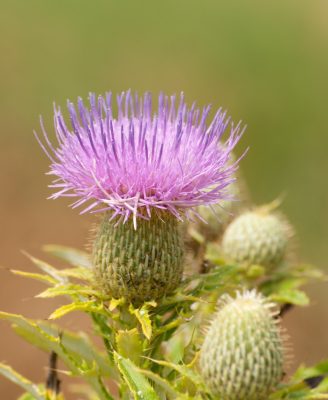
x=138 y=159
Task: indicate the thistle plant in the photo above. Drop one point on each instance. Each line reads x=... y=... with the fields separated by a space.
x=140 y=168
x=172 y=327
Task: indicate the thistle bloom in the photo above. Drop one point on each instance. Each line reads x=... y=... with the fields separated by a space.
x=131 y=165
x=139 y=161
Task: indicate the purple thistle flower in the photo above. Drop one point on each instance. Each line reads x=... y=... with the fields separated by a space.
x=141 y=160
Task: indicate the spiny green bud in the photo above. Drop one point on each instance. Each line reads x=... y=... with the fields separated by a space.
x=257 y=237
x=242 y=354
x=139 y=264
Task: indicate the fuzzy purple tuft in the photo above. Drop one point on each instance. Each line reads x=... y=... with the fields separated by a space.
x=141 y=160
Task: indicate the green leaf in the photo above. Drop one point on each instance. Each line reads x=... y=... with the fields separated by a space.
x=164 y=384
x=214 y=279
x=72 y=256
x=26 y=396
x=76 y=351
x=295 y=393
x=309 y=271
x=307 y=372
x=83 y=391
x=80 y=346
x=281 y=283
x=48 y=394
x=129 y=344
x=30 y=327
x=137 y=383
x=45 y=336
x=255 y=271
x=39 y=277
x=81 y=273
x=169 y=328
x=322 y=387
x=184 y=370
x=285 y=290
x=297 y=388
x=292 y=296
x=175 y=349
x=21 y=381
x=86 y=306
x=47 y=268
x=142 y=315
x=114 y=303
x=213 y=253
x=67 y=290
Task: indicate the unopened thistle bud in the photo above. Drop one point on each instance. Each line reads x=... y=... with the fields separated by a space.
x=257 y=237
x=145 y=170
x=242 y=354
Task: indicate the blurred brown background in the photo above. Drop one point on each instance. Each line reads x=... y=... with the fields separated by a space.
x=266 y=61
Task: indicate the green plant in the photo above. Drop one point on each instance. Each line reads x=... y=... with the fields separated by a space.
x=150 y=316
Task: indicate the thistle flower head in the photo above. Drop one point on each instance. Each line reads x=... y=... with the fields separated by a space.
x=138 y=159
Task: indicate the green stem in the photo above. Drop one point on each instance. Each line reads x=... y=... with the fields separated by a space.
x=106 y=333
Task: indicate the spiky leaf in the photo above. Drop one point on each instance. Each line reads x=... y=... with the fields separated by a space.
x=24 y=383
x=137 y=383
x=86 y=306
x=129 y=344
x=72 y=256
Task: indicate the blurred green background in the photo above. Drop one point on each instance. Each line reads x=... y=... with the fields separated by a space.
x=265 y=61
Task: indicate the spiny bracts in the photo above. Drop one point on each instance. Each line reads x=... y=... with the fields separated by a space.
x=242 y=354
x=142 y=264
x=257 y=237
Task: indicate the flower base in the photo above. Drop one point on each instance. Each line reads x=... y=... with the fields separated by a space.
x=142 y=264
